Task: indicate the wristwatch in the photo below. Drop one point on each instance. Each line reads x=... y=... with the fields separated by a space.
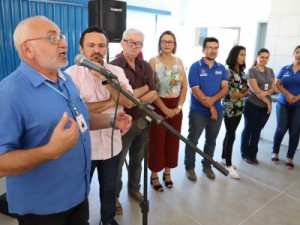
x=179 y=107
x=111 y=121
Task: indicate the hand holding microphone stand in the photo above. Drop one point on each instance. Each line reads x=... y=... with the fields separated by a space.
x=150 y=116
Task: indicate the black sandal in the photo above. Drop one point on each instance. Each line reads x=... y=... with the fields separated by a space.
x=157 y=187
x=275 y=160
x=169 y=184
x=289 y=165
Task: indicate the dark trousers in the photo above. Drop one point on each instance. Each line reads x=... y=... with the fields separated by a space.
x=107 y=177
x=78 y=215
x=135 y=141
x=163 y=145
x=255 y=120
x=231 y=124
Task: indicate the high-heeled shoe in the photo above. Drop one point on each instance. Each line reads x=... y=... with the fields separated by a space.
x=157 y=187
x=169 y=184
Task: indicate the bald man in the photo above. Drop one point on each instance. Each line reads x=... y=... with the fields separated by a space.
x=45 y=148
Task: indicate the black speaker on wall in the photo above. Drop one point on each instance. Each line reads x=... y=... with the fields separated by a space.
x=110 y=15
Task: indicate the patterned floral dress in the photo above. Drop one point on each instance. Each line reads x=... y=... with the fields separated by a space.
x=236 y=82
x=233 y=109
x=164 y=146
x=168 y=79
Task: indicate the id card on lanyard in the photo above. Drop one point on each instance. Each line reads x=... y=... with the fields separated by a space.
x=78 y=116
x=81 y=123
x=265 y=78
x=266 y=87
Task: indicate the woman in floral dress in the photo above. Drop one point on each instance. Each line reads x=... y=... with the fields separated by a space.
x=233 y=104
x=171 y=82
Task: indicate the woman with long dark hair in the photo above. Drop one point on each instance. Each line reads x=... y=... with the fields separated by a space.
x=233 y=103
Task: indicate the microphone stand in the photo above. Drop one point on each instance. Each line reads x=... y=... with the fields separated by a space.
x=148 y=117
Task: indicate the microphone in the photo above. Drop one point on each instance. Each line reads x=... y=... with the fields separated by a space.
x=81 y=60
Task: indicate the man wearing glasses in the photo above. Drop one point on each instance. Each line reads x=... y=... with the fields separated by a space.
x=208 y=81
x=45 y=148
x=140 y=76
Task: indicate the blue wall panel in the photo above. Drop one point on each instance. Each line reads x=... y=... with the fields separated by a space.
x=70 y=15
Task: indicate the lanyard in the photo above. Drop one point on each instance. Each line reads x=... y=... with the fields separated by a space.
x=264 y=75
x=70 y=102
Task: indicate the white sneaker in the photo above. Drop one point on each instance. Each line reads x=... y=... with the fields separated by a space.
x=223 y=163
x=233 y=174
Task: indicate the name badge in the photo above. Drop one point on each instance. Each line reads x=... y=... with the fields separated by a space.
x=266 y=87
x=81 y=123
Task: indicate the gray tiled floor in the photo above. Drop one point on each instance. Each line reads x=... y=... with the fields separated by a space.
x=265 y=194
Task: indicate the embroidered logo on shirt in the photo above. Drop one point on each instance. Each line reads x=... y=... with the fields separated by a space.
x=203 y=73
x=218 y=72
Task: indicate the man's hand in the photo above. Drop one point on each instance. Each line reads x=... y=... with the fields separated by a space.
x=63 y=139
x=123 y=122
x=209 y=101
x=213 y=113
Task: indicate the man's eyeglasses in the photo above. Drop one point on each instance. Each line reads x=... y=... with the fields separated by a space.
x=54 y=39
x=163 y=42
x=212 y=48
x=130 y=43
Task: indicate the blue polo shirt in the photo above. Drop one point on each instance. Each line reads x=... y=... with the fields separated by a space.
x=30 y=110
x=209 y=81
x=290 y=81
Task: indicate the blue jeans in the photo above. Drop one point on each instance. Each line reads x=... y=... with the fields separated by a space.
x=135 y=141
x=287 y=119
x=197 y=123
x=255 y=119
x=107 y=173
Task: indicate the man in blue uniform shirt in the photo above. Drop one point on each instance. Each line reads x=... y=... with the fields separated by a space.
x=45 y=148
x=208 y=81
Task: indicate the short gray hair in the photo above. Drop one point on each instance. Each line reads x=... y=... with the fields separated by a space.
x=133 y=31
x=22 y=31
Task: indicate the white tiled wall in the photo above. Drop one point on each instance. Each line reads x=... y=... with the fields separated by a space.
x=283 y=33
